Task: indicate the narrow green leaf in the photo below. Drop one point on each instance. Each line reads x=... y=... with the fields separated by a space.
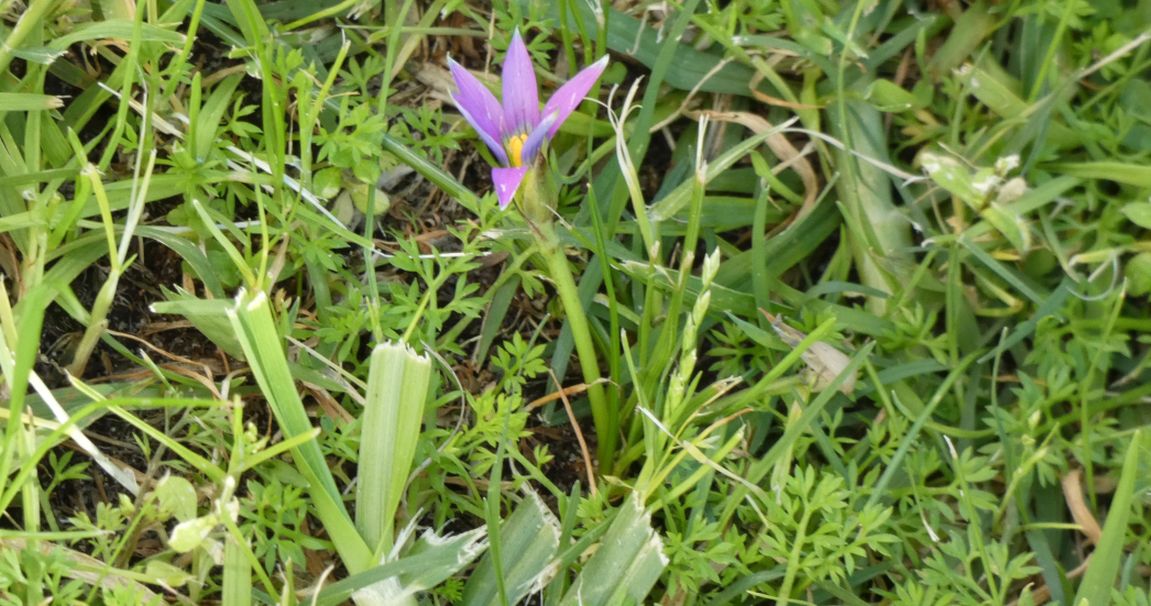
x=122 y=29
x=252 y=322
x=1095 y=590
x=24 y=220
x=1042 y=195
x=888 y=96
x=188 y=252
x=695 y=69
x=209 y=316
x=429 y=563
x=878 y=231
x=501 y=300
x=970 y=30
x=1138 y=175
x=1016 y=279
x=29 y=102
x=432 y=173
x=679 y=198
x=237 y=586
x=210 y=116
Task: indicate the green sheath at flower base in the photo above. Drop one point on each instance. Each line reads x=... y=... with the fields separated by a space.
x=516 y=129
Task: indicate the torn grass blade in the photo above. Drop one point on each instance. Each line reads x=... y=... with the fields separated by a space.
x=427 y=564
x=627 y=564
x=398 y=382
x=531 y=537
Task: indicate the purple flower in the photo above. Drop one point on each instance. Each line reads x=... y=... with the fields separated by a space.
x=516 y=130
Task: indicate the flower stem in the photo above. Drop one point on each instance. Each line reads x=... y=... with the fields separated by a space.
x=602 y=415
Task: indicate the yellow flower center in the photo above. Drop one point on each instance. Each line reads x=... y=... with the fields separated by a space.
x=515 y=147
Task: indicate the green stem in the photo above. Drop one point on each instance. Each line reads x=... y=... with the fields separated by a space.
x=602 y=415
x=784 y=597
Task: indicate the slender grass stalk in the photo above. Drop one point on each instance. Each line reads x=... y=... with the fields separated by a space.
x=117 y=252
x=604 y=418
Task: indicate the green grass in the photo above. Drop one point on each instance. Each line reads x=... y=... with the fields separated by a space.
x=841 y=303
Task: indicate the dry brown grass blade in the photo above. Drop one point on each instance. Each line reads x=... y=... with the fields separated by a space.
x=825 y=362
x=753 y=86
x=584 y=452
x=569 y=391
x=1073 y=494
x=780 y=146
x=204 y=377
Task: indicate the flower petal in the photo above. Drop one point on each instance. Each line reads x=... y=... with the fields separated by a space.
x=521 y=94
x=479 y=107
x=506 y=182
x=572 y=93
x=536 y=138
x=494 y=145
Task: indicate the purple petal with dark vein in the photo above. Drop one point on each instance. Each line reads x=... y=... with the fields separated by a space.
x=473 y=98
x=536 y=139
x=521 y=94
x=506 y=182
x=572 y=93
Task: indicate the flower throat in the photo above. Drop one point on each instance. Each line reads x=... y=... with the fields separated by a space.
x=515 y=147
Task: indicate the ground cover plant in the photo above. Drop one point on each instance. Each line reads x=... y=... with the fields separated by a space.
x=524 y=302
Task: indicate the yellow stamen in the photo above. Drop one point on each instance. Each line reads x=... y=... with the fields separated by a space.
x=515 y=147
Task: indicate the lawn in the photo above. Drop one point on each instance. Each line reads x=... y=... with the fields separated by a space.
x=575 y=302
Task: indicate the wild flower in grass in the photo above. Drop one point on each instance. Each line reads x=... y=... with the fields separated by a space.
x=516 y=130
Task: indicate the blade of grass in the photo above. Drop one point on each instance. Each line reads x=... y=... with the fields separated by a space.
x=252 y=322
x=21 y=326
x=432 y=173
x=29 y=102
x=1100 y=577
x=629 y=36
x=34 y=16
